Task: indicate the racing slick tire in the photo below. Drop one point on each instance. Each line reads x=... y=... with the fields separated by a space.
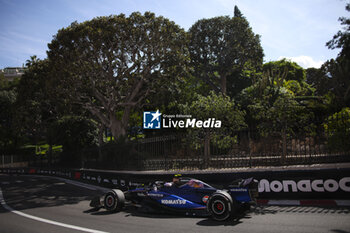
x=220 y=206
x=114 y=200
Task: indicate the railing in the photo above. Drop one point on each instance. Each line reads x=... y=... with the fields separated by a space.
x=175 y=152
x=179 y=152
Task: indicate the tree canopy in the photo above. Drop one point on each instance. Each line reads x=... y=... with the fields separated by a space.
x=111 y=64
x=342 y=38
x=220 y=48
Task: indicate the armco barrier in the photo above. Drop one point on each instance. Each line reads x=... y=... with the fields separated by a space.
x=277 y=184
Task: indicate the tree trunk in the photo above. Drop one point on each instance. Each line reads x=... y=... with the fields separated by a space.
x=118 y=127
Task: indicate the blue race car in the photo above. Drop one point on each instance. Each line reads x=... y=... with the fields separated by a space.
x=186 y=195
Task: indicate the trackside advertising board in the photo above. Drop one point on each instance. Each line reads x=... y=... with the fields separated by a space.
x=288 y=184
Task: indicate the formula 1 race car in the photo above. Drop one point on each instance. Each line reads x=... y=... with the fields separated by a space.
x=188 y=196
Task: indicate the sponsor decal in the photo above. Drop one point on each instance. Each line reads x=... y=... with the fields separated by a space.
x=173 y=202
x=205 y=198
x=114 y=181
x=134 y=184
x=32 y=171
x=77 y=175
x=318 y=185
x=238 y=190
x=155 y=195
x=141 y=194
x=99 y=179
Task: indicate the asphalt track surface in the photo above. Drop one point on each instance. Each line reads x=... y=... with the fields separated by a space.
x=45 y=204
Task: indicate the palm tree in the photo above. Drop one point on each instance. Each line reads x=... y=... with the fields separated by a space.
x=33 y=59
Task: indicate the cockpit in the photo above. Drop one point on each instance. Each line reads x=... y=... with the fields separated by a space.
x=193 y=183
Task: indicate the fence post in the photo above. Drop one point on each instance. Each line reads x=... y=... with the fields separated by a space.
x=284 y=146
x=207 y=150
x=249 y=149
x=166 y=162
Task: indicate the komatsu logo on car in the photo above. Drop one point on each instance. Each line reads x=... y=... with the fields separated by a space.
x=173 y=202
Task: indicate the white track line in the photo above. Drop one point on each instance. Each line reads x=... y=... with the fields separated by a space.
x=3 y=203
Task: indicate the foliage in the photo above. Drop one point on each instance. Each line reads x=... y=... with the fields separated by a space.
x=5 y=84
x=291 y=69
x=220 y=47
x=237 y=12
x=337 y=128
x=272 y=106
x=112 y=64
x=74 y=133
x=33 y=107
x=338 y=76
x=7 y=100
x=220 y=107
x=342 y=38
x=338 y=71
x=318 y=80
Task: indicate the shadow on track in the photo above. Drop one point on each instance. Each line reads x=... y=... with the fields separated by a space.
x=35 y=192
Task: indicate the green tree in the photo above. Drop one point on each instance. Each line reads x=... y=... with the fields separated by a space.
x=291 y=70
x=337 y=74
x=74 y=133
x=318 y=80
x=272 y=106
x=237 y=13
x=7 y=110
x=333 y=77
x=109 y=65
x=220 y=48
x=337 y=128
x=222 y=108
x=33 y=108
x=342 y=38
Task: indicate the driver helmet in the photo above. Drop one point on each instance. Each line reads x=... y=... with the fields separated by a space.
x=176 y=178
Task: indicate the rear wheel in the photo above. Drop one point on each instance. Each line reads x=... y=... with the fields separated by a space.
x=114 y=200
x=220 y=206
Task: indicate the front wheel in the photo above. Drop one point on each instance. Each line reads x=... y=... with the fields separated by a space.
x=220 y=206
x=114 y=200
